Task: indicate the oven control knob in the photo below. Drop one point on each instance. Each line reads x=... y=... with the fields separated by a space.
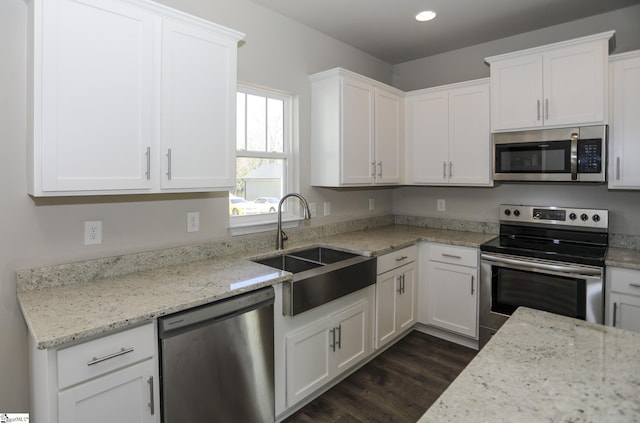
x=584 y=217
x=516 y=212
x=507 y=212
x=596 y=218
x=572 y=216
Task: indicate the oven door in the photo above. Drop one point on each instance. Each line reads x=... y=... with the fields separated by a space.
x=507 y=282
x=563 y=288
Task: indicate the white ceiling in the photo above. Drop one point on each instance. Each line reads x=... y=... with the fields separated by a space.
x=387 y=29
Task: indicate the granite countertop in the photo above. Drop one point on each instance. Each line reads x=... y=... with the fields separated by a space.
x=622 y=257
x=542 y=367
x=58 y=313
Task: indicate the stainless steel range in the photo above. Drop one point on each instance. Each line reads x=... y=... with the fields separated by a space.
x=547 y=258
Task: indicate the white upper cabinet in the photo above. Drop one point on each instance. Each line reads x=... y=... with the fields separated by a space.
x=624 y=128
x=198 y=107
x=115 y=84
x=556 y=85
x=356 y=130
x=448 y=135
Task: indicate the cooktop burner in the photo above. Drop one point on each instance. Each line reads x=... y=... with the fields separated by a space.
x=569 y=235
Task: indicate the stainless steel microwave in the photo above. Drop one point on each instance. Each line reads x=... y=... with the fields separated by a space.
x=577 y=154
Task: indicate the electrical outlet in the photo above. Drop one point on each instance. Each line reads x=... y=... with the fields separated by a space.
x=93 y=232
x=441 y=205
x=193 y=221
x=312 y=209
x=372 y=203
x=327 y=208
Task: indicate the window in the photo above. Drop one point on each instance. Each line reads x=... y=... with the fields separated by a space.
x=263 y=155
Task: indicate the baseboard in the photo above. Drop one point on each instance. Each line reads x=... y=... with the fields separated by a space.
x=448 y=336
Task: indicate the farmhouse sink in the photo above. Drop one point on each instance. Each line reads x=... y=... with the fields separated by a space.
x=320 y=275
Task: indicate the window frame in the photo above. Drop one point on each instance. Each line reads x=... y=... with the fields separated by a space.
x=239 y=225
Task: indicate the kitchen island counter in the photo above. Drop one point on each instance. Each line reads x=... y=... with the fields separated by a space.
x=542 y=367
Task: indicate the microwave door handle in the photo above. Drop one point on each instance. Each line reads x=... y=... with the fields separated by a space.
x=574 y=156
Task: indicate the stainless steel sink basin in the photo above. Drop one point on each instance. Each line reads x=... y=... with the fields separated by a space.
x=321 y=275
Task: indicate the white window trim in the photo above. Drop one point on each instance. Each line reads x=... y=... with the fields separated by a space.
x=291 y=217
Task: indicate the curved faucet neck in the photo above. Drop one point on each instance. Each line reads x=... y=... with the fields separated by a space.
x=280 y=236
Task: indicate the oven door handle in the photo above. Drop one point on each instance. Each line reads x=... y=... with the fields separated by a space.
x=532 y=265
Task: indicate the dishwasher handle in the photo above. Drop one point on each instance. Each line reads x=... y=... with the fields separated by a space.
x=184 y=321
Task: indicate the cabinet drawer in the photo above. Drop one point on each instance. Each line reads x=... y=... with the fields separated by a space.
x=463 y=256
x=397 y=258
x=94 y=358
x=625 y=281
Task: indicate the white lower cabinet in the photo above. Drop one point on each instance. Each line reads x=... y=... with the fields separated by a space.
x=452 y=289
x=396 y=298
x=121 y=396
x=109 y=379
x=623 y=305
x=322 y=350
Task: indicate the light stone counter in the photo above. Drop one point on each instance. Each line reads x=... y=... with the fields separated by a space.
x=542 y=367
x=74 y=301
x=621 y=257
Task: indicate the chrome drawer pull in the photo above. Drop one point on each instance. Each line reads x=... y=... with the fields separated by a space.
x=451 y=256
x=402 y=258
x=97 y=360
x=634 y=285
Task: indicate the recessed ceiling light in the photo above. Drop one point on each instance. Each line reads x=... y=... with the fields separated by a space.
x=425 y=15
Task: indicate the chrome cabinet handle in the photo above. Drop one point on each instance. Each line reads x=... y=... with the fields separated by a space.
x=538 y=109
x=451 y=256
x=97 y=360
x=152 y=402
x=380 y=169
x=472 y=281
x=169 y=164
x=373 y=168
x=402 y=258
x=333 y=337
x=399 y=288
x=403 y=283
x=339 y=342
x=450 y=170
x=546 y=108
x=148 y=172
x=617 y=168
x=634 y=285
x=615 y=312
x=444 y=170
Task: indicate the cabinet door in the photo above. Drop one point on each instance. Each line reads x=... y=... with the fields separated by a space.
x=387 y=137
x=358 y=163
x=516 y=93
x=198 y=107
x=469 y=136
x=386 y=287
x=429 y=138
x=575 y=84
x=407 y=300
x=625 y=311
x=352 y=338
x=94 y=85
x=122 y=396
x=625 y=125
x=452 y=298
x=308 y=360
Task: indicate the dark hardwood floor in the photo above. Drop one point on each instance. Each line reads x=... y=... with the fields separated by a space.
x=397 y=386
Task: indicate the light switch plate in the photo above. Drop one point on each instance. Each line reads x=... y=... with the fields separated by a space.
x=327 y=208
x=441 y=205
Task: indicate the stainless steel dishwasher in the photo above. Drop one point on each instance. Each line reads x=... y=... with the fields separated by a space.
x=217 y=361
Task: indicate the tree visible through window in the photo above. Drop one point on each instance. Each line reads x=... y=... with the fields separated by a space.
x=262 y=152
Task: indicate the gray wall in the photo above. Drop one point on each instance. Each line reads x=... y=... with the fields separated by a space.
x=468 y=63
x=277 y=53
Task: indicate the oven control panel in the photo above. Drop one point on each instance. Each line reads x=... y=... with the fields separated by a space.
x=568 y=216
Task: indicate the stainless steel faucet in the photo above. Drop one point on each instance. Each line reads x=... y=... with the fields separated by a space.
x=281 y=237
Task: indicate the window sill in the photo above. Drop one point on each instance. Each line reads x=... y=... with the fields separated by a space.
x=246 y=228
